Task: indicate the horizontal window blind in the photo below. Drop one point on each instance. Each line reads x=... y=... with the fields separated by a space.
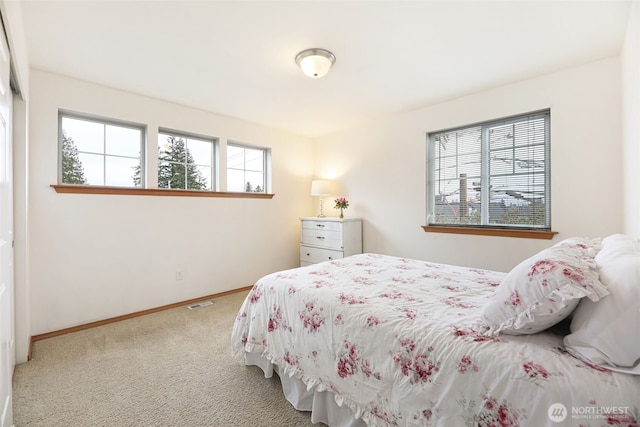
x=495 y=174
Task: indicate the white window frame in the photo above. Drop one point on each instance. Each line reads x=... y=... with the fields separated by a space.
x=485 y=174
x=105 y=122
x=189 y=135
x=266 y=166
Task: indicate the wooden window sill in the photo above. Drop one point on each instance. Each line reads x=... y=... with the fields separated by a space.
x=502 y=232
x=100 y=189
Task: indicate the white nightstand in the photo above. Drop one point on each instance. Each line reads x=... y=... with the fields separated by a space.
x=325 y=239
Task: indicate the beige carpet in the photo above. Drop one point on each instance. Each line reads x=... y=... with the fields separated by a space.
x=171 y=368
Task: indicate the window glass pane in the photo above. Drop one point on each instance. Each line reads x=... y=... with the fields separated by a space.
x=246 y=169
x=87 y=136
x=206 y=174
x=235 y=157
x=255 y=182
x=164 y=142
x=175 y=178
x=254 y=160
x=122 y=141
x=447 y=168
x=501 y=137
x=201 y=151
x=195 y=179
x=93 y=166
x=530 y=159
x=502 y=162
x=468 y=142
x=517 y=200
x=120 y=171
x=72 y=168
x=170 y=175
x=235 y=180
x=459 y=202
x=185 y=162
x=469 y=164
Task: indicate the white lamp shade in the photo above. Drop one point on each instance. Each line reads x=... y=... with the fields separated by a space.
x=320 y=188
x=315 y=66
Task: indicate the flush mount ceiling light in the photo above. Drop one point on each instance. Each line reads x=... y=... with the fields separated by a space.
x=315 y=62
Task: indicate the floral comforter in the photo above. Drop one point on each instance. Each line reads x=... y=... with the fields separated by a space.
x=396 y=340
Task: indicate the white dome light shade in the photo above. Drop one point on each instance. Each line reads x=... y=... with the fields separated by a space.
x=315 y=63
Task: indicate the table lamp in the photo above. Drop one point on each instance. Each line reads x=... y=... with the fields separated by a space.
x=320 y=188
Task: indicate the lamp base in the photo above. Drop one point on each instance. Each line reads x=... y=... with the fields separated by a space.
x=320 y=215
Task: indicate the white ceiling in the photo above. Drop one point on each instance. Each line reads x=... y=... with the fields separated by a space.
x=237 y=57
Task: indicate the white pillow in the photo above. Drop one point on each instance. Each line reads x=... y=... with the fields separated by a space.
x=544 y=289
x=614 y=246
x=608 y=333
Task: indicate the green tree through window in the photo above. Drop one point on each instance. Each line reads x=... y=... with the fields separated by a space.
x=176 y=167
x=72 y=170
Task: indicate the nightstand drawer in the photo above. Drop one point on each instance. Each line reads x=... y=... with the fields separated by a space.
x=325 y=238
x=314 y=255
x=321 y=225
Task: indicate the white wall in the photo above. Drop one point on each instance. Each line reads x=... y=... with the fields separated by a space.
x=631 y=122
x=381 y=166
x=100 y=256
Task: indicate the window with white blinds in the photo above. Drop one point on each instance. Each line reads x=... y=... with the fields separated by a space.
x=494 y=174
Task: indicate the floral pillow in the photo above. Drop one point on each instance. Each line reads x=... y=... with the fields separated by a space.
x=544 y=289
x=581 y=246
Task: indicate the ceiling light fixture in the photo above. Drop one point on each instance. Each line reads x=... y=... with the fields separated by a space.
x=315 y=62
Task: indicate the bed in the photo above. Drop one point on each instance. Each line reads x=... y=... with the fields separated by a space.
x=385 y=341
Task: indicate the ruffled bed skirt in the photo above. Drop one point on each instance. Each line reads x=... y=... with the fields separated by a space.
x=321 y=404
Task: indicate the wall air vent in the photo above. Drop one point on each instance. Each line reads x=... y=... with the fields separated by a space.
x=200 y=304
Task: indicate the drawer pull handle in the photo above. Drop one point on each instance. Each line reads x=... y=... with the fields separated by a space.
x=320 y=237
x=330 y=258
x=319 y=225
x=308 y=254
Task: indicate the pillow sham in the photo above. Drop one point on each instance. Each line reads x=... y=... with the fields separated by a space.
x=606 y=333
x=581 y=246
x=544 y=289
